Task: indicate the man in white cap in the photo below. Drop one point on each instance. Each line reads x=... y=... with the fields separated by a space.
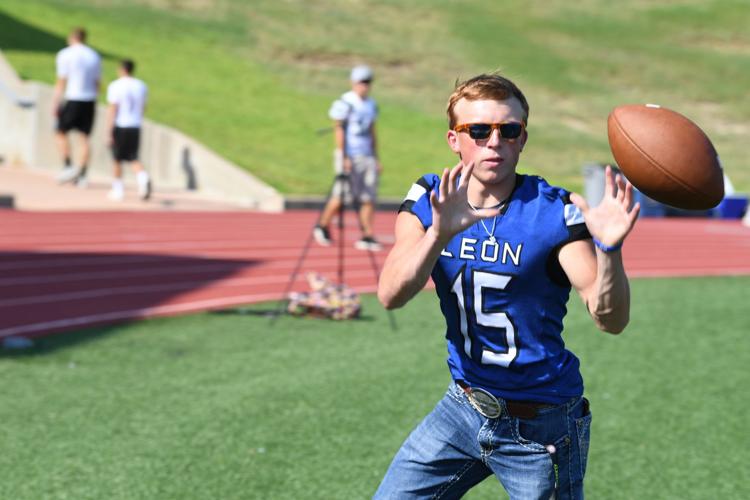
x=354 y=114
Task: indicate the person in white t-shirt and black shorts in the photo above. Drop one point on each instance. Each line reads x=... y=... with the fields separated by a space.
x=127 y=98
x=74 y=102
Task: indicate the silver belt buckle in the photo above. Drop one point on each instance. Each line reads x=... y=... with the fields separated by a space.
x=484 y=402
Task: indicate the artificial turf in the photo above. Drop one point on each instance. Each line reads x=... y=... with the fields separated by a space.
x=230 y=405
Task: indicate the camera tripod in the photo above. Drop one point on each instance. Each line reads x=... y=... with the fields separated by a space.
x=338 y=188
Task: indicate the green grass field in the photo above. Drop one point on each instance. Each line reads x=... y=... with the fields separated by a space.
x=254 y=80
x=226 y=405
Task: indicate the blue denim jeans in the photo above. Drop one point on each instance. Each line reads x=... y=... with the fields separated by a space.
x=455 y=447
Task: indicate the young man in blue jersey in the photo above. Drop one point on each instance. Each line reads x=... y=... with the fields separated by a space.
x=504 y=250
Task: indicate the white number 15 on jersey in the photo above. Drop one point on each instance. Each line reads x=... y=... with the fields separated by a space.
x=486 y=281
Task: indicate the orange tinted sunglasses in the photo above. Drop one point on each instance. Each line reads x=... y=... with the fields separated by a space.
x=480 y=131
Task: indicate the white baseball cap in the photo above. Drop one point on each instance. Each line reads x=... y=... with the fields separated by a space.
x=361 y=73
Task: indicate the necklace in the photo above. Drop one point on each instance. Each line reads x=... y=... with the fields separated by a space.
x=491 y=234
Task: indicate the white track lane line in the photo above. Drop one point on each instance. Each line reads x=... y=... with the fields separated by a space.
x=169 y=287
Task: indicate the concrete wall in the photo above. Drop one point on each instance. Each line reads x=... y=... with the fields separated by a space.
x=174 y=160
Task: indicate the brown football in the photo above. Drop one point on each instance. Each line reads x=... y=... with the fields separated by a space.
x=666 y=156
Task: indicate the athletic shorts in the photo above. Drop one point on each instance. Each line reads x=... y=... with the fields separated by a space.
x=126 y=143
x=76 y=115
x=362 y=180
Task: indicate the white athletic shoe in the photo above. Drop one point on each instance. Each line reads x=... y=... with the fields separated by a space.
x=322 y=236
x=116 y=194
x=82 y=182
x=367 y=243
x=144 y=189
x=144 y=185
x=68 y=174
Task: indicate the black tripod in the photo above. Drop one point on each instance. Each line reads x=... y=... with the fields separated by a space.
x=340 y=187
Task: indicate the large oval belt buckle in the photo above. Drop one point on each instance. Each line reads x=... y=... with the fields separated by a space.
x=484 y=402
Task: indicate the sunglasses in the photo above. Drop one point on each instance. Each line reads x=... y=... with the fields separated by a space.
x=508 y=130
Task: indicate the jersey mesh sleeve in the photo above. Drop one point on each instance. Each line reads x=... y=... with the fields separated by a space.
x=577 y=229
x=339 y=110
x=417 y=200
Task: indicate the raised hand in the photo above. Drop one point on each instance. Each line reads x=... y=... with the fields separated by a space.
x=611 y=220
x=451 y=212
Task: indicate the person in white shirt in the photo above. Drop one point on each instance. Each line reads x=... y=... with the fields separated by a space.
x=355 y=158
x=126 y=97
x=74 y=101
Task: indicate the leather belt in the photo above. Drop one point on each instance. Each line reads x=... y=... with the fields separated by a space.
x=489 y=406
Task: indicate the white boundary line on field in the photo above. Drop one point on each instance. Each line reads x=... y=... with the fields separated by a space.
x=195 y=306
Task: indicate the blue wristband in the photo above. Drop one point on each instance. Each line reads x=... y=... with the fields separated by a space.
x=606 y=248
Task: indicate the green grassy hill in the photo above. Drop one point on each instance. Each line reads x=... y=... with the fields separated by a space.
x=254 y=80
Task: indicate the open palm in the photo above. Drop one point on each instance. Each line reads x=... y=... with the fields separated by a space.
x=451 y=212
x=611 y=220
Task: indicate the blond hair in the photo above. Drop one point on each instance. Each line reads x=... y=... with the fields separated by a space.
x=491 y=87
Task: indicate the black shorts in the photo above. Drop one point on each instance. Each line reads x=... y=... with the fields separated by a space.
x=78 y=115
x=126 y=143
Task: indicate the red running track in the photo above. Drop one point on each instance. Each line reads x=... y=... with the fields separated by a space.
x=65 y=271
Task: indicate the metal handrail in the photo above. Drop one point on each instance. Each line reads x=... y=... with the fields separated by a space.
x=15 y=98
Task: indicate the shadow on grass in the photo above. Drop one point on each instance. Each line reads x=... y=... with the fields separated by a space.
x=41 y=346
x=16 y=34
x=49 y=344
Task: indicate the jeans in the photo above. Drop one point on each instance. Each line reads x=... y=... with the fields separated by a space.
x=455 y=447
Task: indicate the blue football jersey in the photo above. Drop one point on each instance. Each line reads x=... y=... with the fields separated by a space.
x=504 y=298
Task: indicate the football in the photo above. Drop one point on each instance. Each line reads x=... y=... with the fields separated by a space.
x=666 y=156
